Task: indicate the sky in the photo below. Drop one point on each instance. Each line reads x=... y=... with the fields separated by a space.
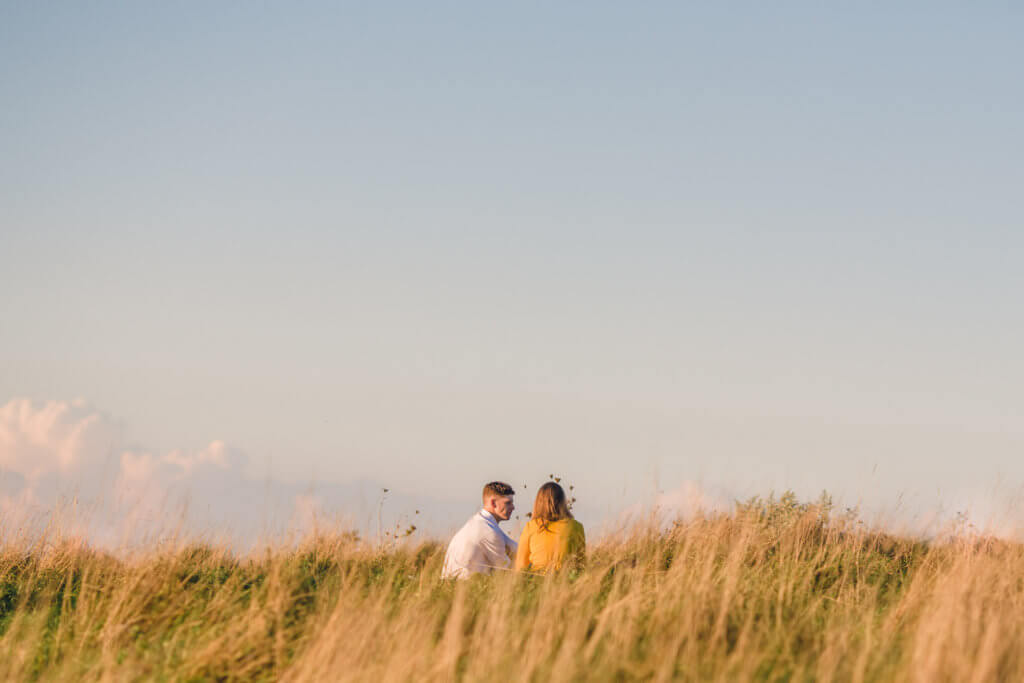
x=657 y=249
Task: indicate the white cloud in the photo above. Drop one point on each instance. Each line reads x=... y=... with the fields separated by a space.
x=54 y=452
x=55 y=437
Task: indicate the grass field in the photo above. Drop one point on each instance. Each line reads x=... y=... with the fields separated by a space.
x=775 y=591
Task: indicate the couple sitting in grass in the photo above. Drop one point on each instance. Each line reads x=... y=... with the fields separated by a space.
x=551 y=540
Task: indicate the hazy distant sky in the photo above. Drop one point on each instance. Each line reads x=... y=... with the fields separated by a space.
x=757 y=246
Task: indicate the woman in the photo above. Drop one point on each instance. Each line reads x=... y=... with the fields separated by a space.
x=552 y=539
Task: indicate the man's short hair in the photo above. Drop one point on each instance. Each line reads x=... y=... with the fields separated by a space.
x=498 y=488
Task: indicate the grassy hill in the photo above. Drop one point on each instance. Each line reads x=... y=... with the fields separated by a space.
x=775 y=591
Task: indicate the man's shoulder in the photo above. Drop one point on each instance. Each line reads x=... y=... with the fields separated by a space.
x=475 y=524
x=479 y=526
x=486 y=528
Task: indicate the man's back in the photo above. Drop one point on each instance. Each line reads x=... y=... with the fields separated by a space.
x=479 y=546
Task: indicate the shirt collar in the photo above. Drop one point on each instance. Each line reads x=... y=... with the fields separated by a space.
x=488 y=517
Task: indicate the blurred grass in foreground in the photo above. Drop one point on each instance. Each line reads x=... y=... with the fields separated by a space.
x=775 y=591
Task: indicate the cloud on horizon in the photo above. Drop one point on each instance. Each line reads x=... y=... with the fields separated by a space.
x=69 y=456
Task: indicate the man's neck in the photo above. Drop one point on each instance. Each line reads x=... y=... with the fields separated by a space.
x=490 y=514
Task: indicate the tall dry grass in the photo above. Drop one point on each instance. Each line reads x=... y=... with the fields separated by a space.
x=773 y=592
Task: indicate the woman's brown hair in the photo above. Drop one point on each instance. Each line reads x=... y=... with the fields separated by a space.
x=550 y=505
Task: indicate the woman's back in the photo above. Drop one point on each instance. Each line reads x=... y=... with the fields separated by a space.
x=546 y=546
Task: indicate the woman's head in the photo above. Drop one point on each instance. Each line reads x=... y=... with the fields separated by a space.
x=550 y=504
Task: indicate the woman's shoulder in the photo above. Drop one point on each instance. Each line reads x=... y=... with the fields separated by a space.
x=570 y=525
x=533 y=525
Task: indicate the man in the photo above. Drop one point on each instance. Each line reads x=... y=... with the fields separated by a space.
x=480 y=546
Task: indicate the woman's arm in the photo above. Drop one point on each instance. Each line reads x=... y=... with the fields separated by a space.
x=523 y=552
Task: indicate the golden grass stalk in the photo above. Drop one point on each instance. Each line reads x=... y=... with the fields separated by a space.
x=768 y=593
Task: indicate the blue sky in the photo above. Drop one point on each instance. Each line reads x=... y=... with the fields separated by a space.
x=752 y=245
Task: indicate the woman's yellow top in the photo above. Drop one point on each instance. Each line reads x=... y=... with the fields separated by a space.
x=544 y=549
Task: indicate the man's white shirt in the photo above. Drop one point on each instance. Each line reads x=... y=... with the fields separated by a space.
x=479 y=546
